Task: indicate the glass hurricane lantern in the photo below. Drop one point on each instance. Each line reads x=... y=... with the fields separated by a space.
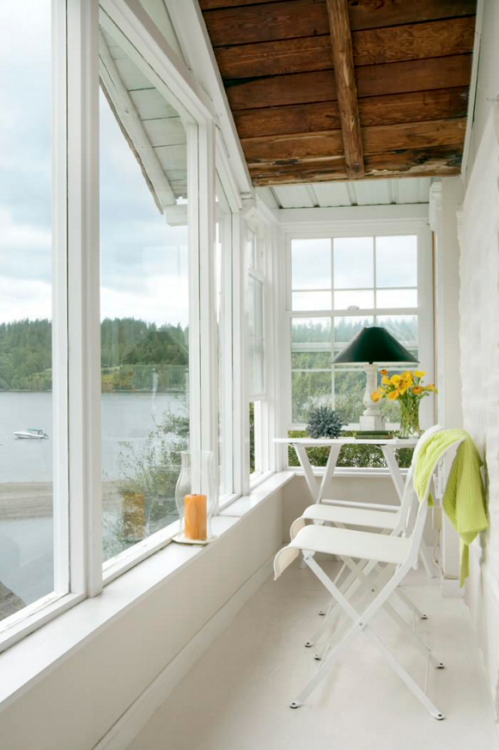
x=196 y=497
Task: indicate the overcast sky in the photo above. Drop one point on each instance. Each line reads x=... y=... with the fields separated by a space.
x=144 y=262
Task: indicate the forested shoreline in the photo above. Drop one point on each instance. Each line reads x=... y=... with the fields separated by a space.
x=135 y=355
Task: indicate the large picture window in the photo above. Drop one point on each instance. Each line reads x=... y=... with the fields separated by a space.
x=144 y=301
x=338 y=285
x=33 y=504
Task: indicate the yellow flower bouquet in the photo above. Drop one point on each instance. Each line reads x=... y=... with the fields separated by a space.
x=408 y=389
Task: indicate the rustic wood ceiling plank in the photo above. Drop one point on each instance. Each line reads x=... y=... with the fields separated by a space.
x=372 y=80
x=216 y=4
x=377 y=140
x=433 y=161
x=346 y=87
x=374 y=46
x=267 y=21
x=377 y=110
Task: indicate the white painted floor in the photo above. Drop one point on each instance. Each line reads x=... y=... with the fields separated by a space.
x=237 y=695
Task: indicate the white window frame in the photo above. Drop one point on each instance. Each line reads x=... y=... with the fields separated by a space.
x=358 y=226
x=78 y=543
x=264 y=227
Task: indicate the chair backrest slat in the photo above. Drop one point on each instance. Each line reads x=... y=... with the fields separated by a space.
x=422 y=510
x=409 y=495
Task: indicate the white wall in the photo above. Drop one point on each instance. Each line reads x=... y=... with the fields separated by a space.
x=76 y=704
x=479 y=327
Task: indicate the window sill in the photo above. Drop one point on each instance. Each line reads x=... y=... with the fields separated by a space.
x=26 y=662
x=258 y=478
x=350 y=472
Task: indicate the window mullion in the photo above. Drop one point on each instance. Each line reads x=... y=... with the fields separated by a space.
x=60 y=456
x=207 y=297
x=83 y=297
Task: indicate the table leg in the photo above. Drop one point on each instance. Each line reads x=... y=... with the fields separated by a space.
x=394 y=469
x=332 y=460
x=317 y=490
x=310 y=479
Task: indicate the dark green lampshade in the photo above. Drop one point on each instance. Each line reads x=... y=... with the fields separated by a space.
x=372 y=345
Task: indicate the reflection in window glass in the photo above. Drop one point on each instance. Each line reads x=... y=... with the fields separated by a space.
x=397 y=261
x=353 y=263
x=145 y=311
x=26 y=453
x=311 y=264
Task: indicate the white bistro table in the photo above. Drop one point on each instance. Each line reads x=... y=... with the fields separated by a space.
x=317 y=488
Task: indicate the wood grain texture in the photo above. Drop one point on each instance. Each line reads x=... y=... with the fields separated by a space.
x=268 y=21
x=372 y=80
x=376 y=140
x=371 y=47
x=346 y=87
x=435 y=161
x=377 y=110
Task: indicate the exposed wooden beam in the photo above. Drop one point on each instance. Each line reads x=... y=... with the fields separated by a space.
x=377 y=140
x=346 y=87
x=372 y=80
x=131 y=125
x=370 y=47
x=374 y=110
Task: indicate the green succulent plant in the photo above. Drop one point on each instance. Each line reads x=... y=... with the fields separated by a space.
x=324 y=422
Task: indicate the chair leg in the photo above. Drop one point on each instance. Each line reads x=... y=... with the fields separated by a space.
x=361 y=624
x=410 y=604
x=392 y=612
x=404 y=675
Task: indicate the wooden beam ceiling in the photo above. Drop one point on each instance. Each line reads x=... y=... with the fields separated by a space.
x=346 y=87
x=335 y=89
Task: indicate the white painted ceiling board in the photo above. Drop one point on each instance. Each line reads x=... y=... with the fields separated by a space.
x=356 y=192
x=172 y=157
x=131 y=76
x=151 y=105
x=293 y=196
x=414 y=191
x=267 y=196
x=167 y=131
x=372 y=192
x=332 y=194
x=159 y=14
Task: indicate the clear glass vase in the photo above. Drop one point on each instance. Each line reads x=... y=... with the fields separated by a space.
x=196 y=497
x=409 y=419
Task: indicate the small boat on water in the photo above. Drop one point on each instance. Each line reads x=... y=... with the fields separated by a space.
x=31 y=434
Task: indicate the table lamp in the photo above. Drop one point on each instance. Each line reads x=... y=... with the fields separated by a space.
x=371 y=347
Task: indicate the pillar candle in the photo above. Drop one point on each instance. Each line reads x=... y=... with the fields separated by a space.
x=196 y=517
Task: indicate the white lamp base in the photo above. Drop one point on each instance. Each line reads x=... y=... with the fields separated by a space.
x=371 y=420
x=368 y=423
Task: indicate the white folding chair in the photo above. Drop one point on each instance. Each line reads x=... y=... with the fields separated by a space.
x=398 y=553
x=393 y=523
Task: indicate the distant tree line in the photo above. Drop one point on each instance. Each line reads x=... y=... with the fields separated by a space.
x=135 y=355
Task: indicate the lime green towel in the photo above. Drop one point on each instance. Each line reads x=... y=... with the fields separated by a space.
x=464 y=499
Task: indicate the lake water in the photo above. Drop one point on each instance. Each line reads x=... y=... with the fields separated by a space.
x=26 y=543
x=126 y=417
